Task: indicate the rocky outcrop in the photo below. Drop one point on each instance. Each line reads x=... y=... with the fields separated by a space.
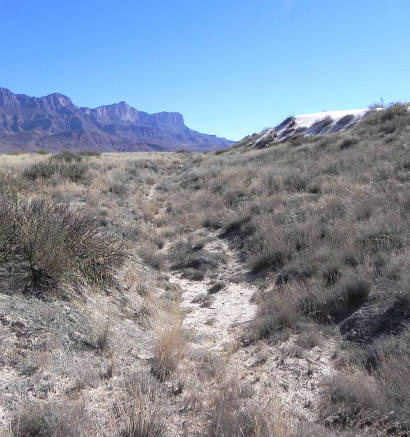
x=54 y=122
x=320 y=123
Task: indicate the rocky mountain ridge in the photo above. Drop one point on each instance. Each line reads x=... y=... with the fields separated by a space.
x=54 y=122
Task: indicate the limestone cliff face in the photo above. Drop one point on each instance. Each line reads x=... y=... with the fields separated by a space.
x=54 y=122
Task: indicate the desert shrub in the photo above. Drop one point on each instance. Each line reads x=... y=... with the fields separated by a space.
x=393 y=375
x=102 y=336
x=349 y=398
x=193 y=275
x=188 y=254
x=74 y=171
x=375 y=353
x=298 y=272
x=51 y=420
x=277 y=310
x=233 y=414
x=233 y=198
x=403 y=293
x=384 y=238
x=148 y=251
x=270 y=182
x=169 y=342
x=348 y=142
x=358 y=398
x=43 y=169
x=140 y=414
x=240 y=226
x=298 y=140
x=216 y=287
x=314 y=187
x=51 y=242
x=118 y=188
x=296 y=181
x=43 y=152
x=336 y=303
x=388 y=128
x=67 y=156
x=331 y=273
x=180 y=253
x=204 y=300
x=89 y=153
x=309 y=338
x=394 y=111
x=270 y=258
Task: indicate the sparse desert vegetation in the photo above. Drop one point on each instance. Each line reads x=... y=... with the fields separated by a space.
x=254 y=292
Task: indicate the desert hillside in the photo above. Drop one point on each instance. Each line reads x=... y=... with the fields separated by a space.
x=258 y=291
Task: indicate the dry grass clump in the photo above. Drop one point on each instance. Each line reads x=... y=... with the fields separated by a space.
x=64 y=165
x=277 y=311
x=336 y=303
x=102 y=335
x=46 y=242
x=348 y=397
x=170 y=343
x=282 y=308
x=393 y=375
x=51 y=420
x=379 y=400
x=140 y=413
x=189 y=254
x=149 y=253
x=233 y=413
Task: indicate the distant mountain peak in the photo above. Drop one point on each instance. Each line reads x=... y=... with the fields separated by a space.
x=58 y=98
x=54 y=122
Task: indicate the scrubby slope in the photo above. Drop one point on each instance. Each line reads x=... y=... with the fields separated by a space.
x=258 y=292
x=322 y=224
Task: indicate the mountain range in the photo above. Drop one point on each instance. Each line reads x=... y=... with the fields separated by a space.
x=54 y=123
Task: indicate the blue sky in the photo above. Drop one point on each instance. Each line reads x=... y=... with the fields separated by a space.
x=231 y=67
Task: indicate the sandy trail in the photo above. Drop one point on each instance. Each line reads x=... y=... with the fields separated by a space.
x=152 y=191
x=217 y=324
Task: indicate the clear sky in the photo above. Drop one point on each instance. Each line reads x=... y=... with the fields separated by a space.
x=231 y=67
